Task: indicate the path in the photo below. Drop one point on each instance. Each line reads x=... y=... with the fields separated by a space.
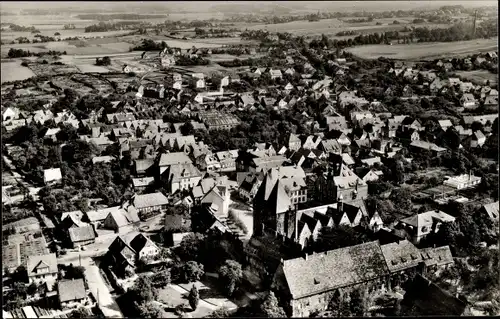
x=106 y=302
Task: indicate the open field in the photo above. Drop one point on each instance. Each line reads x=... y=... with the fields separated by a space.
x=14 y=71
x=8 y=36
x=479 y=76
x=417 y=51
x=332 y=26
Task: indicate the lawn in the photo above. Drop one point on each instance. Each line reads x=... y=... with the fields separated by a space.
x=171 y=297
x=479 y=76
x=418 y=51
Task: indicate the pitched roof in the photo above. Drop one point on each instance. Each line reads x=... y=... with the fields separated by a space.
x=100 y=214
x=139 y=242
x=428 y=299
x=77 y=234
x=183 y=170
x=401 y=255
x=52 y=174
x=70 y=290
x=149 y=200
x=123 y=218
x=173 y=158
x=334 y=269
x=437 y=256
x=492 y=210
x=47 y=260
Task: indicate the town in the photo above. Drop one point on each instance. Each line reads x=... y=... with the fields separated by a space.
x=296 y=180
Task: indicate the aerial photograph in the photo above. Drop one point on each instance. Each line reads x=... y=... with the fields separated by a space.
x=238 y=159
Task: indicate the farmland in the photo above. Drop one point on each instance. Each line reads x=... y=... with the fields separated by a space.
x=419 y=51
x=14 y=71
x=333 y=26
x=479 y=76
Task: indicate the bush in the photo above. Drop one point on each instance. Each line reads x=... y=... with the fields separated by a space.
x=24 y=63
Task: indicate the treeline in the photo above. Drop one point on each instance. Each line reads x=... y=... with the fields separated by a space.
x=219 y=33
x=69 y=26
x=347 y=32
x=254 y=35
x=150 y=45
x=119 y=16
x=20 y=28
x=457 y=32
x=120 y=25
x=20 y=53
x=187 y=61
x=369 y=19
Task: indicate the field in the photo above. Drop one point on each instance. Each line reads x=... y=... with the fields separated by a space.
x=419 y=51
x=14 y=71
x=479 y=76
x=333 y=26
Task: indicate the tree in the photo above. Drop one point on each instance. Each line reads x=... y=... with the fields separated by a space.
x=81 y=312
x=270 y=307
x=222 y=312
x=230 y=274
x=143 y=290
x=192 y=271
x=149 y=310
x=477 y=126
x=161 y=279
x=191 y=246
x=338 y=237
x=194 y=297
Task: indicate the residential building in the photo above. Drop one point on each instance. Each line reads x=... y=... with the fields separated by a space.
x=81 y=235
x=227 y=160
x=420 y=225
x=476 y=139
x=437 y=258
x=121 y=221
x=52 y=176
x=462 y=181
x=42 y=268
x=468 y=101
x=148 y=204
x=220 y=196
x=181 y=177
x=490 y=211
x=72 y=293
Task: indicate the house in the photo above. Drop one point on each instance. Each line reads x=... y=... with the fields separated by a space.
x=445 y=124
x=72 y=293
x=218 y=195
x=142 y=183
x=306 y=284
x=490 y=211
x=477 y=139
x=466 y=87
x=81 y=235
x=420 y=225
x=401 y=256
x=436 y=258
x=182 y=176
x=169 y=159
x=224 y=81
x=275 y=74
x=121 y=221
x=200 y=84
x=227 y=160
x=42 y=268
x=372 y=175
x=126 y=250
x=97 y=217
x=462 y=181
x=294 y=142
x=249 y=185
x=52 y=176
x=10 y=113
x=468 y=101
x=491 y=101
x=418 y=146
x=149 y=203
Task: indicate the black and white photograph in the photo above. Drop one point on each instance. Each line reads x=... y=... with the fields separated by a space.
x=239 y=159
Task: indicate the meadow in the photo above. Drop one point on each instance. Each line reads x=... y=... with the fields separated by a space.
x=479 y=76
x=423 y=51
x=14 y=71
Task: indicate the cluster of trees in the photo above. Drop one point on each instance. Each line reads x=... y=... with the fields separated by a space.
x=42 y=38
x=220 y=33
x=105 y=61
x=458 y=32
x=119 y=16
x=70 y=26
x=20 y=53
x=362 y=20
x=150 y=45
x=20 y=28
x=188 y=60
x=101 y=27
x=347 y=32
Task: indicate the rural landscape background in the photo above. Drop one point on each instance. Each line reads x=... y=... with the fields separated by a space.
x=83 y=47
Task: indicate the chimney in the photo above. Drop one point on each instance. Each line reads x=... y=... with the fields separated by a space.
x=305 y=257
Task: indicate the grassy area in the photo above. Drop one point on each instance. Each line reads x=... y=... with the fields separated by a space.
x=479 y=76
x=418 y=51
x=14 y=71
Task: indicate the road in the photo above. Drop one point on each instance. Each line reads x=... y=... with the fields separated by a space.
x=96 y=284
